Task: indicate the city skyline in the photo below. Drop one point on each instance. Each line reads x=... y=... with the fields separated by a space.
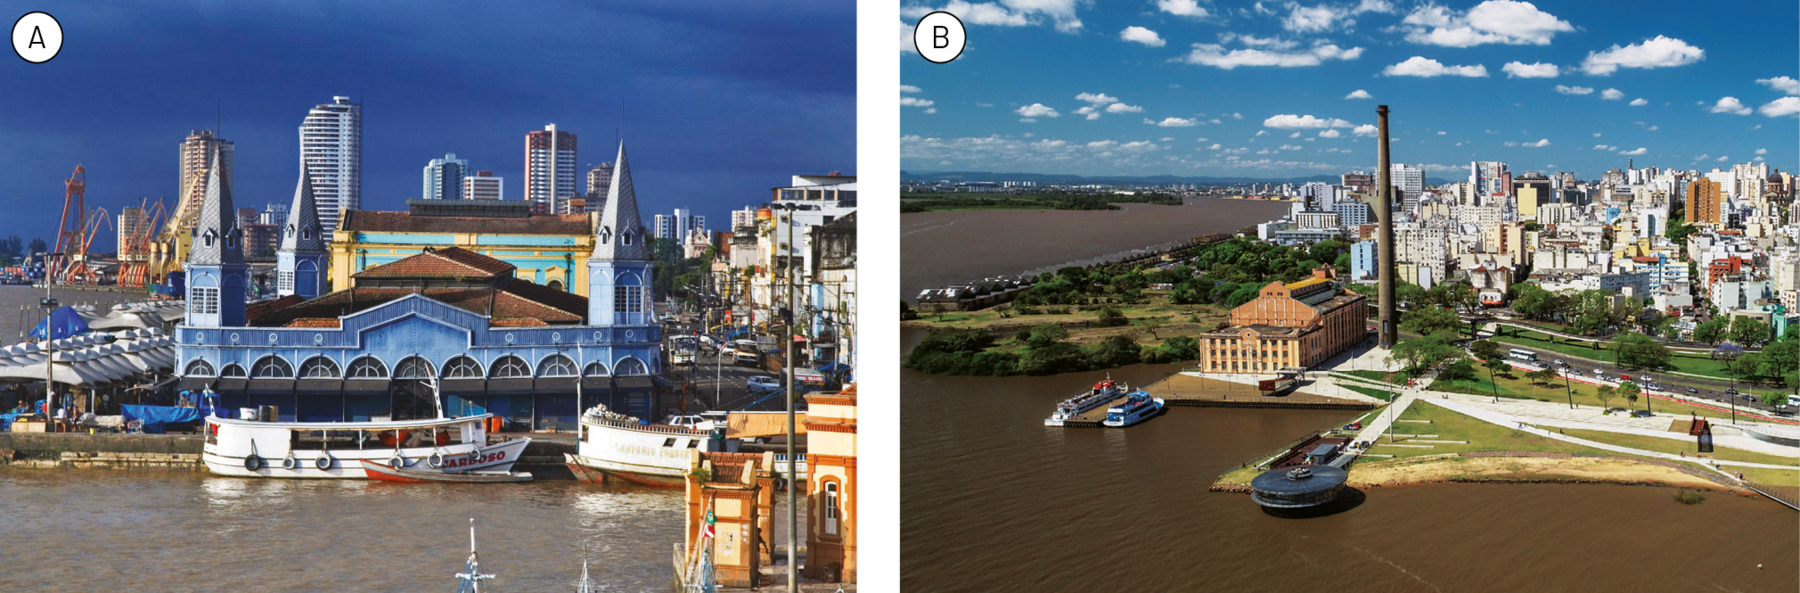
x=1188 y=88
x=699 y=120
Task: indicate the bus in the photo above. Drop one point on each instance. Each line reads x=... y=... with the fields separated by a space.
x=1522 y=354
x=683 y=350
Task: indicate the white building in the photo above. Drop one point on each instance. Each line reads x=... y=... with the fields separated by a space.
x=443 y=178
x=483 y=185
x=550 y=169
x=331 y=147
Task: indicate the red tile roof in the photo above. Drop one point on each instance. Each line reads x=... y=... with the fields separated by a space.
x=449 y=262
x=405 y=222
x=512 y=300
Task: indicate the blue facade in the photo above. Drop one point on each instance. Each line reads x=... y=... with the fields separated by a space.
x=1362 y=260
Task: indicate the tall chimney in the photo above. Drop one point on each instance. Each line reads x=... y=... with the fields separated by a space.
x=1389 y=330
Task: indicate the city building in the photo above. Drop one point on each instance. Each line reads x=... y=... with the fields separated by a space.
x=275 y=214
x=132 y=225
x=549 y=169
x=1704 y=201
x=331 y=148
x=499 y=344
x=443 y=178
x=1409 y=179
x=1295 y=325
x=483 y=185
x=831 y=486
x=1362 y=262
x=599 y=179
x=198 y=152
x=1353 y=213
x=546 y=249
x=301 y=260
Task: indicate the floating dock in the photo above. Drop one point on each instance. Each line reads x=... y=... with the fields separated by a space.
x=1200 y=392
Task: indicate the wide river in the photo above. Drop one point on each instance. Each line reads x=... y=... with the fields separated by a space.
x=941 y=248
x=992 y=500
x=100 y=530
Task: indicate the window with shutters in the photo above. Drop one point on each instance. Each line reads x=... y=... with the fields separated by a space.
x=206 y=301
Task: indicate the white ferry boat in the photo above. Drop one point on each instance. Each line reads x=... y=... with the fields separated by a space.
x=1136 y=407
x=614 y=445
x=252 y=449
x=1101 y=393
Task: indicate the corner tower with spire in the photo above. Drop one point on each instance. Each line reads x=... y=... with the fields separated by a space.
x=300 y=264
x=216 y=275
x=619 y=271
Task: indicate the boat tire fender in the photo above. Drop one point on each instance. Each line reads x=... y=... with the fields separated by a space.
x=436 y=460
x=289 y=462
x=253 y=463
x=323 y=462
x=397 y=462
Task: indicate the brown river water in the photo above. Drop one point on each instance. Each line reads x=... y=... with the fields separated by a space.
x=99 y=530
x=992 y=500
x=941 y=248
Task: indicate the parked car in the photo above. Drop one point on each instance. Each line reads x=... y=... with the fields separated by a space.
x=763 y=383
x=1692 y=391
x=1599 y=374
x=1560 y=363
x=690 y=421
x=1353 y=426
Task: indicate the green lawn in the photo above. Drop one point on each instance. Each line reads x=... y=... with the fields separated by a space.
x=1451 y=426
x=1394 y=378
x=1687 y=445
x=1774 y=477
x=1369 y=391
x=1585 y=394
x=1687 y=363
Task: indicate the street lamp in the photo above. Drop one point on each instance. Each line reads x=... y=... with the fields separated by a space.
x=1730 y=352
x=787 y=272
x=1568 y=390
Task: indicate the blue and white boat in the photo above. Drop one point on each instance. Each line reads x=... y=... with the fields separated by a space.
x=1102 y=393
x=1136 y=407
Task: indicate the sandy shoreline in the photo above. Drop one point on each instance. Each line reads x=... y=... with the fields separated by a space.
x=1453 y=468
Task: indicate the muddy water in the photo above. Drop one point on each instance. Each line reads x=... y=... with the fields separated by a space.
x=992 y=500
x=939 y=248
x=153 y=531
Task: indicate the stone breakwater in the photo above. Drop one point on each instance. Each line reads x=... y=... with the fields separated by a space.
x=1542 y=468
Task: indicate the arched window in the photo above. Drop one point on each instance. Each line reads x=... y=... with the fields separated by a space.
x=556 y=365
x=368 y=367
x=199 y=368
x=556 y=284
x=413 y=367
x=594 y=369
x=319 y=367
x=509 y=366
x=630 y=366
x=234 y=370
x=462 y=367
x=271 y=367
x=832 y=513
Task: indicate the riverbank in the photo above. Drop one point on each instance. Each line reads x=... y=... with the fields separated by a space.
x=181 y=452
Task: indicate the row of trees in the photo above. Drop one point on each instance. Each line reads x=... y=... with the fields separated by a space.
x=14 y=250
x=1040 y=350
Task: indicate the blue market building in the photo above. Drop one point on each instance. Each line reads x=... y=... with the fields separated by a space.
x=500 y=344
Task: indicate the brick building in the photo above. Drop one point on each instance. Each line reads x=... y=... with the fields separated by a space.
x=1295 y=325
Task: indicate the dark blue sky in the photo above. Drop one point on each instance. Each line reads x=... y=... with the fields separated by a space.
x=720 y=101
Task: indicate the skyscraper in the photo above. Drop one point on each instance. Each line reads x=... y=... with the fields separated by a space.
x=549 y=168
x=1486 y=176
x=1409 y=179
x=483 y=185
x=331 y=150
x=1704 y=197
x=197 y=153
x=598 y=179
x=443 y=178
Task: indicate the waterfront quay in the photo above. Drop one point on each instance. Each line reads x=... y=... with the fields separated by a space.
x=1191 y=390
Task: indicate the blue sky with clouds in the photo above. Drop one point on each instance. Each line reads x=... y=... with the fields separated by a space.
x=1281 y=89
x=721 y=101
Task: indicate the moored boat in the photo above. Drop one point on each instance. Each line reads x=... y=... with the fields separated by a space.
x=383 y=472
x=613 y=445
x=252 y=449
x=1136 y=407
x=1100 y=394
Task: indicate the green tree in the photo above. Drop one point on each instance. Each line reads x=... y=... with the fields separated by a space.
x=1640 y=351
x=1782 y=360
x=1422 y=353
x=1244 y=294
x=1429 y=320
x=1462 y=370
x=1631 y=391
x=1712 y=331
x=906 y=311
x=1115 y=351
x=1342 y=264
x=1150 y=326
x=1059 y=357
x=1411 y=295
x=1110 y=317
x=1486 y=349
x=1045 y=334
x=1749 y=331
x=1606 y=393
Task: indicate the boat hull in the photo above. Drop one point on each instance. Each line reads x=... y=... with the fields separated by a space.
x=381 y=472
x=648 y=454
x=347 y=464
x=598 y=471
x=1160 y=406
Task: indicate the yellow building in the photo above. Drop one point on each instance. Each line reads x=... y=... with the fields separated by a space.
x=1528 y=202
x=1296 y=325
x=551 y=250
x=831 y=486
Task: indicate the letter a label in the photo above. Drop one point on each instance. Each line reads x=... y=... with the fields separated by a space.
x=37 y=37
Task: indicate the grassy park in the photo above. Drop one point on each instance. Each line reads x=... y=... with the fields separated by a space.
x=1514 y=385
x=1693 y=364
x=1452 y=426
x=1674 y=446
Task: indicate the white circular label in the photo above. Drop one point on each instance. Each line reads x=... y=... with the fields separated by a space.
x=939 y=37
x=37 y=37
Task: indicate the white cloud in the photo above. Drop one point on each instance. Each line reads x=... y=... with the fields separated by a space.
x=1365 y=130
x=1215 y=55
x=1596 y=134
x=1259 y=133
x=1782 y=83
x=1730 y=105
x=1358 y=94
x=1539 y=144
x=915 y=102
x=1574 y=90
x=1141 y=35
x=1202 y=140
x=1314 y=19
x=1215 y=146
x=1007 y=13
x=1272 y=42
x=906 y=39
x=1187 y=8
x=1427 y=68
x=1602 y=147
x=1612 y=94
x=931 y=110
x=907 y=88
x=1172 y=122
x=1330 y=134
x=1755 y=127
x=1100 y=99
x=1289 y=147
x=1722 y=158
x=1639 y=102
x=1536 y=70
x=1493 y=21
x=1237 y=116
x=1294 y=135
x=1037 y=110
x=1214 y=120
x=984 y=104
x=1780 y=107
x=1762 y=151
x=1090 y=111
x=1123 y=108
x=1702 y=157
x=1290 y=121
x=1028 y=120
x=1660 y=52
x=1640 y=150
x=1441 y=132
x=1652 y=128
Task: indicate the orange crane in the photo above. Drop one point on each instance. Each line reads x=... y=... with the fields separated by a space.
x=68 y=236
x=136 y=244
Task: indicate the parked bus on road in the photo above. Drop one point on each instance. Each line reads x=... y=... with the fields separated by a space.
x=1522 y=354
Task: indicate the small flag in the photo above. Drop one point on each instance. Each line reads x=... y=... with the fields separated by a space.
x=707 y=531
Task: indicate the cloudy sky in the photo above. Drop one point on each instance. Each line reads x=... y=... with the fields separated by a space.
x=718 y=101
x=1279 y=89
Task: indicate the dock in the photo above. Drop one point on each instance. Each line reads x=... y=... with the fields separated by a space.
x=1198 y=392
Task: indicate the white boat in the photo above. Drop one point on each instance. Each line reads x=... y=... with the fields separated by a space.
x=1100 y=394
x=614 y=445
x=1136 y=407
x=253 y=449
